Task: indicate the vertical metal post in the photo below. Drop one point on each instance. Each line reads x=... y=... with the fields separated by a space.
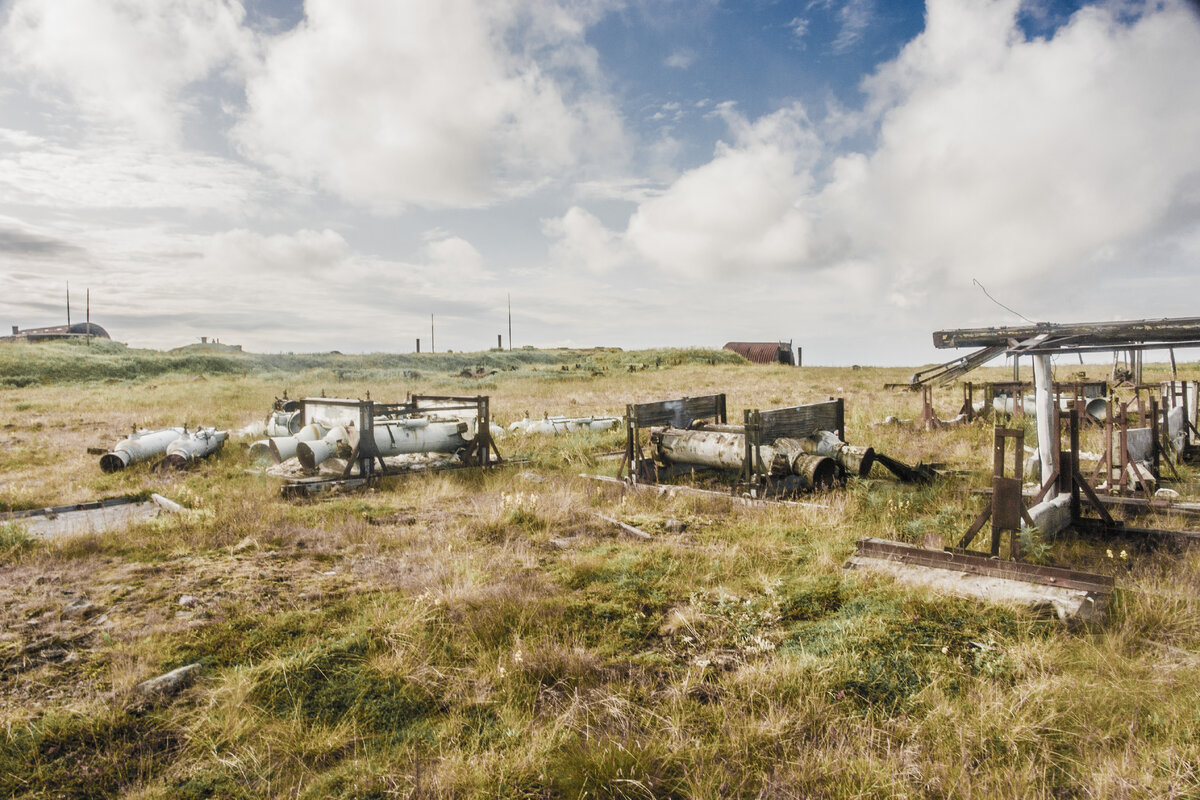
x=1043 y=391
x=418 y=345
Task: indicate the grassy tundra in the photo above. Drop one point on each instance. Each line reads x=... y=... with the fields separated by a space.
x=487 y=635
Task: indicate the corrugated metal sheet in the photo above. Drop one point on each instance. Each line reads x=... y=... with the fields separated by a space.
x=763 y=352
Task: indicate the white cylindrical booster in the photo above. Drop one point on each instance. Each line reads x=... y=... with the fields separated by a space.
x=419 y=435
x=283 y=423
x=199 y=444
x=141 y=446
x=284 y=447
x=312 y=453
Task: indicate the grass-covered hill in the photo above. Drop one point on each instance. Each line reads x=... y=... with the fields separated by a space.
x=25 y=364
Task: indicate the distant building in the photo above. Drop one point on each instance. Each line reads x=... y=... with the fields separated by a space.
x=79 y=330
x=766 y=352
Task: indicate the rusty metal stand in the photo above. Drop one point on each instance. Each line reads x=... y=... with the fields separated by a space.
x=1007 y=508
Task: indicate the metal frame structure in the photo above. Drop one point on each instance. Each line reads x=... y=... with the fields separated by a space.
x=761 y=428
x=360 y=416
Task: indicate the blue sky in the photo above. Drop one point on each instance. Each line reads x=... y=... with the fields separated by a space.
x=325 y=175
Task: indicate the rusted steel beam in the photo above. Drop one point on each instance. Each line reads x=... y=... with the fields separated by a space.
x=981 y=565
x=1180 y=331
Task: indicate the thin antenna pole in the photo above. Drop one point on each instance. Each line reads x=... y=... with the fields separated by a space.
x=510 y=321
x=68 y=304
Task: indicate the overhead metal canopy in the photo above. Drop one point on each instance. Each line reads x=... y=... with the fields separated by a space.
x=1082 y=337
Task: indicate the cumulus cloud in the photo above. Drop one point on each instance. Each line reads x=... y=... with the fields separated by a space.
x=745 y=208
x=581 y=241
x=992 y=154
x=1010 y=157
x=449 y=104
x=126 y=62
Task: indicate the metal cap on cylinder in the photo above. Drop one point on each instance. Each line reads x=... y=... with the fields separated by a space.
x=114 y=461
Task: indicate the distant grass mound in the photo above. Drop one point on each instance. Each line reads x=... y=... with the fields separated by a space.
x=49 y=363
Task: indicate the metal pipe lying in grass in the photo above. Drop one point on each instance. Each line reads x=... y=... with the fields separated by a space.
x=726 y=449
x=198 y=444
x=141 y=446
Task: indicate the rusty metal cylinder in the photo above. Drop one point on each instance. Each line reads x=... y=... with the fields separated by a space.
x=856 y=460
x=814 y=471
x=852 y=459
x=141 y=446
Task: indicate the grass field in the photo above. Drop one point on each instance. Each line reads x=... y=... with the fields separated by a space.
x=483 y=635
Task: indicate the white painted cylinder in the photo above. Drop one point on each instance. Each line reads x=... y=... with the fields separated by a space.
x=311 y=453
x=283 y=423
x=141 y=446
x=284 y=447
x=420 y=435
x=198 y=444
x=1043 y=390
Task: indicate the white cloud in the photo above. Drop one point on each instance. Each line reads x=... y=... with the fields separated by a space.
x=995 y=156
x=680 y=59
x=580 y=240
x=853 y=18
x=126 y=62
x=1009 y=158
x=744 y=209
x=449 y=104
x=799 y=27
x=113 y=173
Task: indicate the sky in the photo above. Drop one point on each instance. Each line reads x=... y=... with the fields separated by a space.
x=849 y=176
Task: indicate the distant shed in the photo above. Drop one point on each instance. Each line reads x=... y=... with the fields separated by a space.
x=765 y=352
x=80 y=330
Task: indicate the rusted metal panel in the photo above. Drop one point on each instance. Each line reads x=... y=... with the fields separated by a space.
x=981 y=565
x=679 y=413
x=800 y=421
x=763 y=352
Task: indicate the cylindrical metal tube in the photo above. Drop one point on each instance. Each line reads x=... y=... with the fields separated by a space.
x=704 y=448
x=814 y=471
x=284 y=447
x=198 y=444
x=260 y=450
x=283 y=423
x=852 y=459
x=400 y=437
x=141 y=446
x=1006 y=405
x=311 y=453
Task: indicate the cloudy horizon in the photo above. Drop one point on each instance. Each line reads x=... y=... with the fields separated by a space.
x=636 y=173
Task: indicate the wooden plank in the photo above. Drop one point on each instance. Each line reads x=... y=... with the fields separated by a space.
x=799 y=421
x=637 y=533
x=679 y=413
